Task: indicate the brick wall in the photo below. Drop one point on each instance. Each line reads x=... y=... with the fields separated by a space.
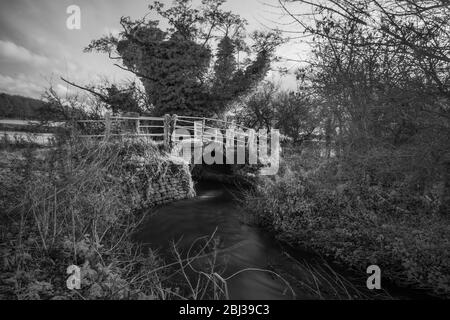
x=170 y=187
x=158 y=180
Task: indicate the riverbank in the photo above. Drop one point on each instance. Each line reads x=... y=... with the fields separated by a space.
x=78 y=204
x=358 y=226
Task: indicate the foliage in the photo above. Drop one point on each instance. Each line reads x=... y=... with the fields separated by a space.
x=178 y=68
x=18 y=107
x=379 y=70
x=258 y=110
x=295 y=114
x=357 y=221
x=78 y=203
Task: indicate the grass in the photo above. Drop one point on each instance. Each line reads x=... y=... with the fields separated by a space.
x=356 y=224
x=78 y=203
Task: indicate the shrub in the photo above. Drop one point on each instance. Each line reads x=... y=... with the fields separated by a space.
x=358 y=223
x=77 y=204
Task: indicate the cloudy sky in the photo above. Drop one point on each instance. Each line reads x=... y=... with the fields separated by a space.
x=36 y=47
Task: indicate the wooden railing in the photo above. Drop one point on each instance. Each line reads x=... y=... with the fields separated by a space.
x=159 y=129
x=162 y=129
x=189 y=123
x=155 y=128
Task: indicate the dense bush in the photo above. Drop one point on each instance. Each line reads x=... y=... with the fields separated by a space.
x=339 y=211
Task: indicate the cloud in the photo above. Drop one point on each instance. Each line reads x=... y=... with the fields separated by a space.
x=14 y=53
x=111 y=31
x=21 y=85
x=61 y=90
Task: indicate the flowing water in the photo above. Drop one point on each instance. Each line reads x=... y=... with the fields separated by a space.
x=215 y=211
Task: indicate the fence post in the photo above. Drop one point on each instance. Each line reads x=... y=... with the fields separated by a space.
x=166 y=131
x=138 y=128
x=73 y=124
x=107 y=125
x=174 y=118
x=203 y=128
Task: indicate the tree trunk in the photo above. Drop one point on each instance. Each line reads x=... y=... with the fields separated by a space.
x=445 y=195
x=328 y=138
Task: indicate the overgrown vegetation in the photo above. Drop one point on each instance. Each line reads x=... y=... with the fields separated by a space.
x=78 y=203
x=371 y=186
x=199 y=65
x=359 y=213
x=366 y=178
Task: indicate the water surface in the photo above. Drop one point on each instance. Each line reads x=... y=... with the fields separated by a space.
x=214 y=210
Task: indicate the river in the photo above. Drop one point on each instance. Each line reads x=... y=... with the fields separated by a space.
x=245 y=247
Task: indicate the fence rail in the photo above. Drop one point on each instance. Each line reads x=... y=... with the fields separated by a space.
x=156 y=128
x=112 y=126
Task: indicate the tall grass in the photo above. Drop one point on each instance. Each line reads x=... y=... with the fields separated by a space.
x=342 y=213
x=78 y=203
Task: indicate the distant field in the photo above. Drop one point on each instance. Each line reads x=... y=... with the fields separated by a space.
x=17 y=122
x=15 y=130
x=39 y=138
